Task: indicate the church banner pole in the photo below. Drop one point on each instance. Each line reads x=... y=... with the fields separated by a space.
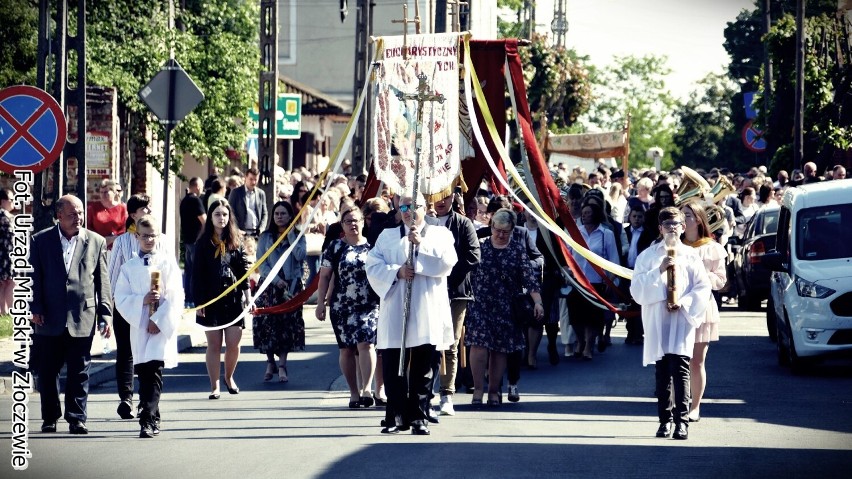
x=420 y=97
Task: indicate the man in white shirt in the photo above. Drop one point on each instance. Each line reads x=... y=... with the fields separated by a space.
x=670 y=327
x=429 y=324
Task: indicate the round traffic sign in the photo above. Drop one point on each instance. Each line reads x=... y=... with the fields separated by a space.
x=753 y=138
x=32 y=129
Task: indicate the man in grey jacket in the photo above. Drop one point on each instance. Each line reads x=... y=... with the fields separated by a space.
x=71 y=292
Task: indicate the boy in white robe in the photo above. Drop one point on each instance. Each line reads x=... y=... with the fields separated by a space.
x=670 y=330
x=429 y=326
x=154 y=314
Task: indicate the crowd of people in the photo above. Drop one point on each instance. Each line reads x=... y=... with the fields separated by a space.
x=457 y=294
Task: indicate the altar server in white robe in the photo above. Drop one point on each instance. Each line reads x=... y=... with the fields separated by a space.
x=670 y=331
x=154 y=314
x=429 y=326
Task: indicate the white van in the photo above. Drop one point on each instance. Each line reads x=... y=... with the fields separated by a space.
x=811 y=288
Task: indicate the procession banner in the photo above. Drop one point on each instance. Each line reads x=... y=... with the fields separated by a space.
x=609 y=144
x=395 y=120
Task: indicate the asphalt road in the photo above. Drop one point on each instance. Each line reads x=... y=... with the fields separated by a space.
x=590 y=419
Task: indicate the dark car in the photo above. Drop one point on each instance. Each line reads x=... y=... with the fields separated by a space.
x=751 y=274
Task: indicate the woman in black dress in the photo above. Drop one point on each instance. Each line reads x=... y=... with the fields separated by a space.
x=220 y=260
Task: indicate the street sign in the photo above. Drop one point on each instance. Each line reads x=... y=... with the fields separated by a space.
x=171 y=84
x=753 y=138
x=748 y=104
x=288 y=117
x=32 y=129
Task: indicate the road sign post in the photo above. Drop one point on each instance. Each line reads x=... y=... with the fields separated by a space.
x=171 y=95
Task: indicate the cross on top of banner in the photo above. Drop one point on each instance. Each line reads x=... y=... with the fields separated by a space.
x=405 y=21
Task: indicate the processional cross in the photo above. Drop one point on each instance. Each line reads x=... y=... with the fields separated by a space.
x=405 y=21
x=421 y=96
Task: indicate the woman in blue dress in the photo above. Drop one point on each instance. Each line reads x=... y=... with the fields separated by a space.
x=504 y=272
x=354 y=307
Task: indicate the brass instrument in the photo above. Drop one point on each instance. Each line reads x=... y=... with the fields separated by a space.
x=722 y=189
x=715 y=217
x=693 y=187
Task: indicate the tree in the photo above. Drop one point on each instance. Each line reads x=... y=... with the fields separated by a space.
x=706 y=134
x=558 y=86
x=635 y=86
x=129 y=41
x=18 y=43
x=828 y=78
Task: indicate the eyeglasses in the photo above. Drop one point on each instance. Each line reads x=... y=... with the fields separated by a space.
x=148 y=237
x=500 y=232
x=405 y=208
x=671 y=224
x=352 y=221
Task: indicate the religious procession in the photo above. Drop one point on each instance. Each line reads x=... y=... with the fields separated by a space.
x=461 y=257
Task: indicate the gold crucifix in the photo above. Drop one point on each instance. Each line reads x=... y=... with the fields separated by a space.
x=457 y=4
x=405 y=21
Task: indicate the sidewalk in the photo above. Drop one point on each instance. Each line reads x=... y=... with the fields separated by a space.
x=102 y=369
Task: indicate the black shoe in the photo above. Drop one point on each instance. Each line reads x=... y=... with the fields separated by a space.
x=681 y=431
x=419 y=429
x=553 y=354
x=78 y=428
x=366 y=401
x=213 y=396
x=146 y=432
x=433 y=417
x=232 y=390
x=390 y=430
x=48 y=426
x=665 y=430
x=602 y=345
x=155 y=428
x=125 y=409
x=379 y=401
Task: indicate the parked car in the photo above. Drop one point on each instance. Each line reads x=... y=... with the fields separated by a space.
x=811 y=287
x=750 y=273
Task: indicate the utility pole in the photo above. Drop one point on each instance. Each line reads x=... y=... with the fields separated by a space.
x=54 y=49
x=362 y=140
x=267 y=128
x=798 y=118
x=559 y=25
x=767 y=74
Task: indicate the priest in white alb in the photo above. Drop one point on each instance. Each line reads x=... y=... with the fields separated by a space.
x=429 y=327
x=149 y=295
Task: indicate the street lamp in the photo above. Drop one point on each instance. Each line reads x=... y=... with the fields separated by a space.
x=656 y=154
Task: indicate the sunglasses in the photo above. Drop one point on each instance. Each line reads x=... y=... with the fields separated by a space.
x=405 y=208
x=671 y=224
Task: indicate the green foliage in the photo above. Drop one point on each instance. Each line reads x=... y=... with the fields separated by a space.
x=18 y=42
x=707 y=135
x=828 y=76
x=635 y=87
x=129 y=41
x=558 y=85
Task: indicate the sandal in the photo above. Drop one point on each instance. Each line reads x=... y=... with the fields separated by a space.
x=476 y=400
x=270 y=368
x=494 y=402
x=282 y=374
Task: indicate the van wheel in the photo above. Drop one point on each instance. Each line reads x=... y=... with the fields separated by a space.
x=771 y=320
x=787 y=355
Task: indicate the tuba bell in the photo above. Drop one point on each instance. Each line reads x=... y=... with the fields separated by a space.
x=715 y=217
x=722 y=189
x=693 y=187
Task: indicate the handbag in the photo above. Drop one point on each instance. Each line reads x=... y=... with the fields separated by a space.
x=523 y=310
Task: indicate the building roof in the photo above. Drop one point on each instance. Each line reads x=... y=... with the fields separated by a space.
x=314 y=102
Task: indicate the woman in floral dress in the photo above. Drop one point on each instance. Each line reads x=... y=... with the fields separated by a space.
x=504 y=272
x=354 y=307
x=280 y=334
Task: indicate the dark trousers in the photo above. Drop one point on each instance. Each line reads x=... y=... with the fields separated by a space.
x=52 y=352
x=150 y=388
x=513 y=366
x=123 y=357
x=408 y=396
x=672 y=373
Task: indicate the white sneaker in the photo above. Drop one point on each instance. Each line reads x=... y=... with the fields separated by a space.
x=447 y=406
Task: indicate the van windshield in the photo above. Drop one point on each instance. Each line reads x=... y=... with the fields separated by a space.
x=825 y=232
